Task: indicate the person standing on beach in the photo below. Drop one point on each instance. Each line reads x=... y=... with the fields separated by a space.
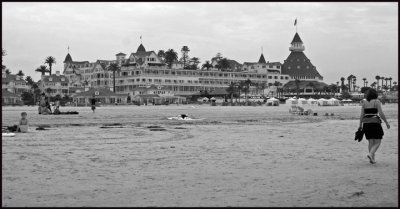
x=93 y=101
x=370 y=122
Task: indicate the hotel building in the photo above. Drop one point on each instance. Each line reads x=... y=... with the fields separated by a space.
x=143 y=69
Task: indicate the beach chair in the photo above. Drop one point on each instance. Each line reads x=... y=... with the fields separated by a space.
x=293 y=109
x=300 y=110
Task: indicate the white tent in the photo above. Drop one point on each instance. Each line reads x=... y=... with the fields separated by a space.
x=312 y=101
x=333 y=102
x=302 y=101
x=205 y=99
x=347 y=100
x=291 y=101
x=323 y=102
x=273 y=102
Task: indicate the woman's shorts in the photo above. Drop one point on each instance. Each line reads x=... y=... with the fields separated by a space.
x=373 y=130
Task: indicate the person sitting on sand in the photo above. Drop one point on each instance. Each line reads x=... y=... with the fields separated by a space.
x=370 y=122
x=48 y=103
x=23 y=123
x=183 y=116
x=57 y=106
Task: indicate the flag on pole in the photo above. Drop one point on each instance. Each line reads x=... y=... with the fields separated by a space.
x=295 y=22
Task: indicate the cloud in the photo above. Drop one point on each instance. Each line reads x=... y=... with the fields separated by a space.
x=339 y=37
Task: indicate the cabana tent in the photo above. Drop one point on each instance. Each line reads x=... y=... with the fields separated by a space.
x=312 y=101
x=323 y=102
x=291 y=101
x=273 y=102
x=302 y=101
x=333 y=102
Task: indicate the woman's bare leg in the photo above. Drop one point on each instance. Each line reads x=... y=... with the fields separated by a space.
x=370 y=144
x=377 y=143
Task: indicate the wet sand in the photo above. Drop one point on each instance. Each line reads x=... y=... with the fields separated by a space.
x=236 y=156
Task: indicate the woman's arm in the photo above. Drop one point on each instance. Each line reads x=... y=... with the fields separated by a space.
x=362 y=114
x=381 y=114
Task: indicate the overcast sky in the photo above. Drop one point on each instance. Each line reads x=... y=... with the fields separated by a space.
x=340 y=38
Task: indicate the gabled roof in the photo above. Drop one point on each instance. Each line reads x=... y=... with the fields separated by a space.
x=55 y=78
x=297 y=64
x=103 y=92
x=5 y=93
x=233 y=62
x=141 y=49
x=120 y=54
x=68 y=58
x=262 y=59
x=296 y=38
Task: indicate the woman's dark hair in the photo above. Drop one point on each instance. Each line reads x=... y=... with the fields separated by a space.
x=371 y=94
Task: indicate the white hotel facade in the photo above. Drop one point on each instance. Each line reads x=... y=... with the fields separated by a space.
x=144 y=69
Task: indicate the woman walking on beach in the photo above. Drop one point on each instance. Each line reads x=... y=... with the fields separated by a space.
x=370 y=122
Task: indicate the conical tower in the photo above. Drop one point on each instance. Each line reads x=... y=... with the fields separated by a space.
x=297 y=65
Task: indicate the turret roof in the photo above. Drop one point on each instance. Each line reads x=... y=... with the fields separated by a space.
x=262 y=59
x=141 y=49
x=68 y=58
x=296 y=38
x=297 y=64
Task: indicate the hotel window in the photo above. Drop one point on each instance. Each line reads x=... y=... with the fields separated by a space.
x=276 y=77
x=264 y=66
x=278 y=66
x=143 y=80
x=287 y=78
x=252 y=67
x=264 y=76
x=282 y=77
x=269 y=77
x=270 y=66
x=150 y=80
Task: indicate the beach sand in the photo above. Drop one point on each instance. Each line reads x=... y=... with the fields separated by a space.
x=236 y=156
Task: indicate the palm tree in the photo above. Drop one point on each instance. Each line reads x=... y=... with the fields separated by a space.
x=377 y=79
x=223 y=64
x=42 y=69
x=113 y=67
x=382 y=79
x=207 y=65
x=373 y=84
x=390 y=80
x=29 y=80
x=194 y=61
x=342 y=79
x=185 y=50
x=20 y=73
x=8 y=72
x=231 y=90
x=161 y=54
x=354 y=83
x=349 y=79
x=364 y=79
x=170 y=57
x=366 y=83
x=262 y=86
x=50 y=61
x=386 y=80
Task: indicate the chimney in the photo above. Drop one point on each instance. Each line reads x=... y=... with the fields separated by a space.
x=58 y=73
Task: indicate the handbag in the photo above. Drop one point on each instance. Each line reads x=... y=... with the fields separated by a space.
x=359 y=135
